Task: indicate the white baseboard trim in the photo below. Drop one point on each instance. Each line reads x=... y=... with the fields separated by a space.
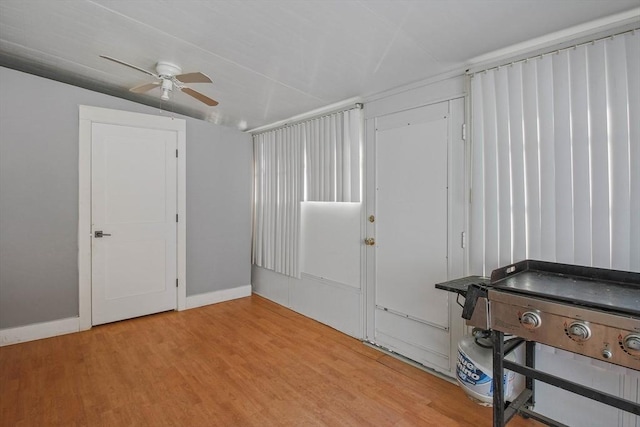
x=39 y=331
x=208 y=298
x=54 y=328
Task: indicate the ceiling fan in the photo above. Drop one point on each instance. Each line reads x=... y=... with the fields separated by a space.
x=168 y=76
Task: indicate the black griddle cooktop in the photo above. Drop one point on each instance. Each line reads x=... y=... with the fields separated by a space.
x=596 y=288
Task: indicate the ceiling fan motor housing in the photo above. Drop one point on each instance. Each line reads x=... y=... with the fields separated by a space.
x=167 y=69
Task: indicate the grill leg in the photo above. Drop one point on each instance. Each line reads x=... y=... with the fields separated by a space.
x=497 y=339
x=530 y=362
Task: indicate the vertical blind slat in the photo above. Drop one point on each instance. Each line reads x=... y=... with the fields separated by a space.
x=353 y=131
x=492 y=219
x=599 y=146
x=633 y=84
x=581 y=156
x=619 y=148
x=335 y=158
x=339 y=158
x=504 y=167
x=516 y=136
x=563 y=159
x=256 y=232
x=532 y=159
x=267 y=205
x=547 y=159
x=476 y=221
x=326 y=163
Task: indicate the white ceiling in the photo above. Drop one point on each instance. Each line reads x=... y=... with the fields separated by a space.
x=272 y=59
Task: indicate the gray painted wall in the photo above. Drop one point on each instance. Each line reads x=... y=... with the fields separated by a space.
x=219 y=186
x=39 y=199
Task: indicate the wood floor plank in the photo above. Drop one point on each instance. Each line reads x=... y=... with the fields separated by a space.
x=247 y=362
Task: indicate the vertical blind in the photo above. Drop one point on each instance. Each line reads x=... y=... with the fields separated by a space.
x=556 y=158
x=316 y=160
x=332 y=154
x=277 y=192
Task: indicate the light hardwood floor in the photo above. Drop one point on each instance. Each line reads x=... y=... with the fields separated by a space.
x=247 y=362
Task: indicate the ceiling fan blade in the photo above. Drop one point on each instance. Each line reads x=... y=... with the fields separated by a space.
x=196 y=77
x=130 y=66
x=200 y=97
x=144 y=87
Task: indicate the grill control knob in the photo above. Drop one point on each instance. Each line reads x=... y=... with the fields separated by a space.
x=530 y=320
x=579 y=331
x=631 y=344
x=607 y=354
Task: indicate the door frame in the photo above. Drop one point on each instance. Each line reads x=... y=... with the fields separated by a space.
x=87 y=116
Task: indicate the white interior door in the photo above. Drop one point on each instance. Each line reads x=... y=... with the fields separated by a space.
x=133 y=203
x=412 y=232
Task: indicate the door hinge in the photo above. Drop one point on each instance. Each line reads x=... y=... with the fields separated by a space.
x=176 y=283
x=176 y=152
x=463 y=240
x=464 y=131
x=176 y=217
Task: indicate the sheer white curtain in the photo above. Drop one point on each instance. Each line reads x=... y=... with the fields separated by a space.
x=277 y=194
x=316 y=160
x=332 y=154
x=556 y=158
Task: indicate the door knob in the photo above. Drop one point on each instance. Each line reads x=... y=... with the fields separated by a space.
x=369 y=241
x=100 y=234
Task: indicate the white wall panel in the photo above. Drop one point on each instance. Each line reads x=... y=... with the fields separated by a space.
x=420 y=342
x=405 y=99
x=328 y=302
x=332 y=303
x=330 y=241
x=602 y=376
x=270 y=285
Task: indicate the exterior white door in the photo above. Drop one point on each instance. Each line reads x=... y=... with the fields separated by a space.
x=413 y=165
x=133 y=207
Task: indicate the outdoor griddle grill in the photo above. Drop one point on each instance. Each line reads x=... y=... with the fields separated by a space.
x=589 y=311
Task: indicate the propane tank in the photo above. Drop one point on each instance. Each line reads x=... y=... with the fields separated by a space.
x=474 y=369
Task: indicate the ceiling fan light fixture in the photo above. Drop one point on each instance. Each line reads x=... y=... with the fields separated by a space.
x=167 y=87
